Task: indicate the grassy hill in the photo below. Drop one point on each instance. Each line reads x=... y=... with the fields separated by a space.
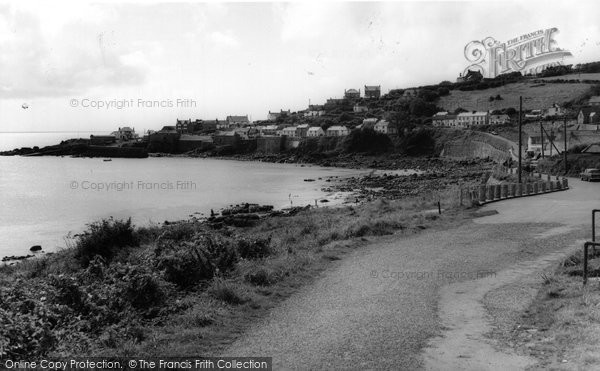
x=575 y=76
x=535 y=96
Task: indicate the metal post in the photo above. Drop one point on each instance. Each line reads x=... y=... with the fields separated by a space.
x=565 y=151
x=520 y=137
x=542 y=137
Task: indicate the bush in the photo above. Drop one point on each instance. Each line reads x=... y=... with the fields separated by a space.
x=185 y=264
x=367 y=140
x=104 y=238
x=254 y=249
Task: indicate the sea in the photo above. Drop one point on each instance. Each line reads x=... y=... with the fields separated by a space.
x=45 y=199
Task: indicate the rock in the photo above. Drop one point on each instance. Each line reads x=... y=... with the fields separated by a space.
x=35 y=248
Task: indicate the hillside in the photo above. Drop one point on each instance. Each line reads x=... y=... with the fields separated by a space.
x=535 y=96
x=575 y=76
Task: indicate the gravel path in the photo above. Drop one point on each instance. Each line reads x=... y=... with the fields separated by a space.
x=378 y=308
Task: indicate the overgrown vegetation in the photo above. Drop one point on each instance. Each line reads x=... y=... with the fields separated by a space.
x=124 y=290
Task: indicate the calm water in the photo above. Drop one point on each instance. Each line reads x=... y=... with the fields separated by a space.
x=44 y=198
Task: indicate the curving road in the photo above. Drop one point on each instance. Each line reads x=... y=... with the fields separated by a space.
x=396 y=304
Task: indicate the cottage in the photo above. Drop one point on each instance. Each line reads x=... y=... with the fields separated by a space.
x=314 y=132
x=368 y=123
x=499 y=119
x=246 y=133
x=273 y=116
x=443 y=119
x=470 y=76
x=475 y=118
x=594 y=101
x=589 y=116
x=555 y=110
x=125 y=134
x=352 y=94
x=314 y=110
x=359 y=108
x=337 y=131
x=301 y=130
x=289 y=131
x=237 y=121
x=384 y=127
x=372 y=91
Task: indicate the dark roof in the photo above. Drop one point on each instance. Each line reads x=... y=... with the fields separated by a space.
x=372 y=87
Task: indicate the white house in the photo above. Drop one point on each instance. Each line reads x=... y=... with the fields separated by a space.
x=443 y=119
x=314 y=110
x=315 y=131
x=358 y=108
x=384 y=127
x=301 y=130
x=555 y=110
x=594 y=101
x=337 y=131
x=290 y=131
x=499 y=119
x=475 y=118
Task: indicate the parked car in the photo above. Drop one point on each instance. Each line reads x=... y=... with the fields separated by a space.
x=590 y=175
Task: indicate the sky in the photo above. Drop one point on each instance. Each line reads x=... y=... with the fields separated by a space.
x=151 y=63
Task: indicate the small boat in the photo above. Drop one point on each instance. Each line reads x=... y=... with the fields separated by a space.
x=107 y=159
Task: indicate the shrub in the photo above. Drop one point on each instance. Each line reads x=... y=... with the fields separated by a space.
x=254 y=249
x=104 y=238
x=185 y=264
x=142 y=288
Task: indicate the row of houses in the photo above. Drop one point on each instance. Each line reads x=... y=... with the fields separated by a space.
x=189 y=126
x=467 y=119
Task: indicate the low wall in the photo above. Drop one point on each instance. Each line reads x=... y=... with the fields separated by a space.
x=484 y=194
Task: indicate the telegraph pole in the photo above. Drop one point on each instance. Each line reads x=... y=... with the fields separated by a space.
x=565 y=151
x=542 y=137
x=520 y=136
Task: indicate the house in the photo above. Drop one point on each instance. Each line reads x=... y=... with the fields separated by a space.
x=594 y=101
x=443 y=119
x=237 y=121
x=314 y=110
x=268 y=130
x=470 y=76
x=337 y=131
x=246 y=133
x=368 y=123
x=589 y=116
x=351 y=94
x=124 y=134
x=209 y=125
x=555 y=110
x=289 y=131
x=102 y=140
x=359 y=108
x=301 y=130
x=315 y=131
x=188 y=126
x=475 y=118
x=384 y=127
x=534 y=114
x=273 y=116
x=372 y=91
x=534 y=142
x=499 y=119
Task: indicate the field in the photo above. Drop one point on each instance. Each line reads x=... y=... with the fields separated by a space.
x=575 y=76
x=535 y=96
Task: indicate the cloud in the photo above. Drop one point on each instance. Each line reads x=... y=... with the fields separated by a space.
x=61 y=57
x=223 y=39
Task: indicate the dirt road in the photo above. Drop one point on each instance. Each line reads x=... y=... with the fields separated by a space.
x=407 y=303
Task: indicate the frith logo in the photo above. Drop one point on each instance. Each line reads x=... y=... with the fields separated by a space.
x=529 y=53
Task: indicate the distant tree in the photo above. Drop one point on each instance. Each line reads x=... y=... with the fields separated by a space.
x=459 y=110
x=419 y=142
x=511 y=111
x=421 y=108
x=443 y=92
x=499 y=97
x=367 y=140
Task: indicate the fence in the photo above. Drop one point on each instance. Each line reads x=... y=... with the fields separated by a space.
x=484 y=194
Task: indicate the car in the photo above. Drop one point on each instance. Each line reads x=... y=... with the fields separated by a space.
x=590 y=175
